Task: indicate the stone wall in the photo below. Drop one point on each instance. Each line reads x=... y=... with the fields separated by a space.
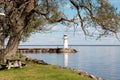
x=46 y=50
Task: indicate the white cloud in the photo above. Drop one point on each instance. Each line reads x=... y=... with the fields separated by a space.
x=56 y=28
x=68 y=6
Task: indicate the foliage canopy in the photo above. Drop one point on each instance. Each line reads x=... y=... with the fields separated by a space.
x=22 y=17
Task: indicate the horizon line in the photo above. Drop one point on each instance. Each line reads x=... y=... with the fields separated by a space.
x=73 y=45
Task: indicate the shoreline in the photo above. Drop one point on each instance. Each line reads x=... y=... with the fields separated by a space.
x=79 y=72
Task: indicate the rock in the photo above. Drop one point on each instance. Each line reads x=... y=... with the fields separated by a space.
x=66 y=68
x=46 y=50
x=82 y=73
x=93 y=77
x=36 y=61
x=66 y=50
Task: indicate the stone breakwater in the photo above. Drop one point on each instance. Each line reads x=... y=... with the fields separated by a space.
x=46 y=50
x=79 y=72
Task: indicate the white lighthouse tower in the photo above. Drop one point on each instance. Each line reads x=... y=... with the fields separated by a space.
x=65 y=41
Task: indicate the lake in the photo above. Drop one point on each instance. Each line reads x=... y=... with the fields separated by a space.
x=101 y=61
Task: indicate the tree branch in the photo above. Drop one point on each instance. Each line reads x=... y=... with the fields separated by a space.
x=78 y=12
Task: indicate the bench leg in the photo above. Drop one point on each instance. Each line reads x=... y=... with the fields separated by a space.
x=9 y=65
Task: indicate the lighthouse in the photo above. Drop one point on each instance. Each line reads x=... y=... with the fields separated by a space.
x=65 y=41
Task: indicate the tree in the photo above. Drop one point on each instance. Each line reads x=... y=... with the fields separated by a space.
x=22 y=17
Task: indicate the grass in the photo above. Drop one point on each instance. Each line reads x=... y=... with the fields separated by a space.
x=34 y=71
x=40 y=72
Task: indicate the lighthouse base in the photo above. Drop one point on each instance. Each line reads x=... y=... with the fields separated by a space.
x=66 y=50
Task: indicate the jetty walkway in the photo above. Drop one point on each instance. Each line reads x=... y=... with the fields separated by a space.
x=45 y=50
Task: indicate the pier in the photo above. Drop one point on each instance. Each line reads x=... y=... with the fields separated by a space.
x=46 y=50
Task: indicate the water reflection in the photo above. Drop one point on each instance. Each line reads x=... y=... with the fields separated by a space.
x=65 y=59
x=102 y=61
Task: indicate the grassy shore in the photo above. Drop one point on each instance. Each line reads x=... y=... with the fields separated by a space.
x=40 y=72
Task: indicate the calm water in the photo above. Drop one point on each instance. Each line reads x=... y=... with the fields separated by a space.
x=101 y=61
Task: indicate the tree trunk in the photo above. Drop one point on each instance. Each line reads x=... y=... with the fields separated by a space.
x=1 y=48
x=12 y=46
x=19 y=24
x=2 y=38
x=1 y=51
x=1 y=44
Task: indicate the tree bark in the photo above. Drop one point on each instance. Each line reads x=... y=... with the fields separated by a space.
x=18 y=29
x=1 y=44
x=12 y=46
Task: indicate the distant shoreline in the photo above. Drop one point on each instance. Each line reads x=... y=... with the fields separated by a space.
x=70 y=45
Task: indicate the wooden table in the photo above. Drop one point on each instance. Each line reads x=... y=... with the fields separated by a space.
x=13 y=63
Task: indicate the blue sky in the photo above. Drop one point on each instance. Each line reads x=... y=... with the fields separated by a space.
x=55 y=37
x=116 y=3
